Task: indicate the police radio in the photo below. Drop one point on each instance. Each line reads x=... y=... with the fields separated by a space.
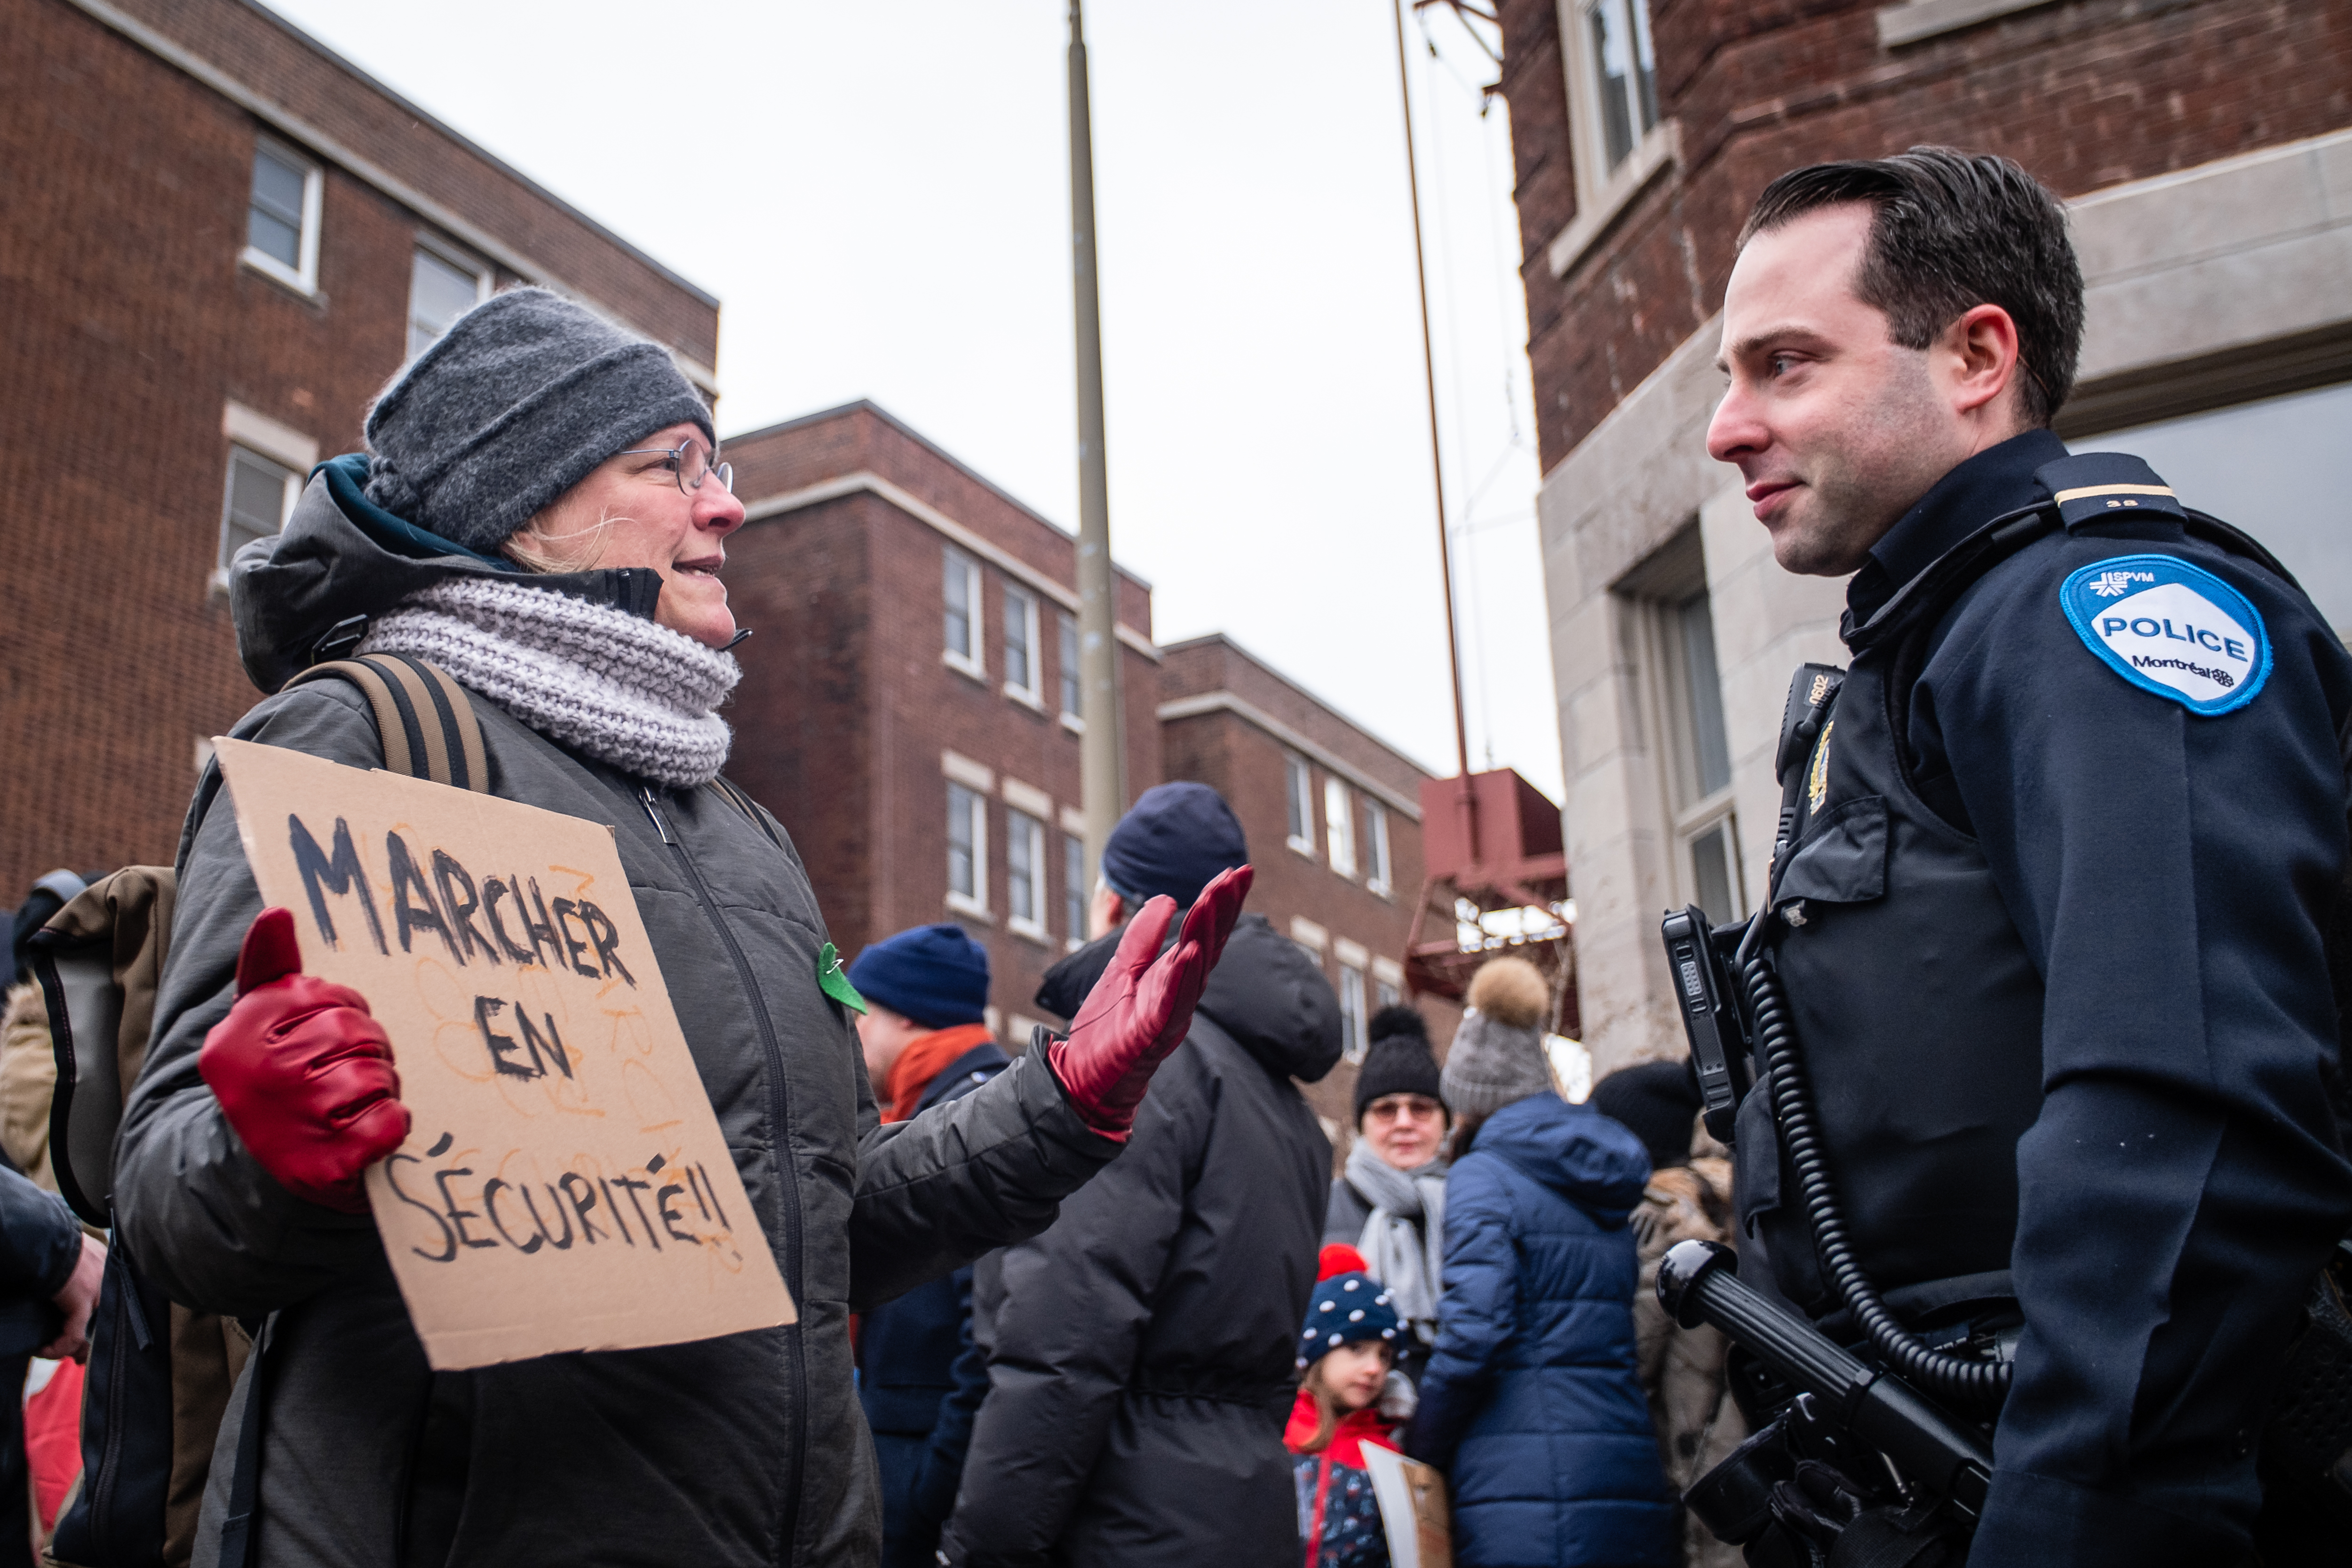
x=1711 y=1016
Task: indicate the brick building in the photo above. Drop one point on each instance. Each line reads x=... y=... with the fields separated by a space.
x=2206 y=151
x=220 y=239
x=909 y=710
x=1333 y=817
x=910 y=698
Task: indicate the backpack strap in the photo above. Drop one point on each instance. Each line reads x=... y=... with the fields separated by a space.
x=426 y=719
x=743 y=803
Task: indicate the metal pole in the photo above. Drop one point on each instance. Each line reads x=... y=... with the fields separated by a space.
x=1436 y=461
x=1102 y=757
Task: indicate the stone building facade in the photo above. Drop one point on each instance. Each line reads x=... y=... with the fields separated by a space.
x=219 y=240
x=2206 y=151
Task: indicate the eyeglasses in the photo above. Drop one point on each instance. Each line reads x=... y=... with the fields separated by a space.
x=690 y=464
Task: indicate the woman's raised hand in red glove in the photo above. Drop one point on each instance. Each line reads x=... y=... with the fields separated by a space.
x=1140 y=1010
x=303 y=1072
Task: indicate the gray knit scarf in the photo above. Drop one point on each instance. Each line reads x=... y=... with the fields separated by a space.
x=1404 y=1240
x=613 y=685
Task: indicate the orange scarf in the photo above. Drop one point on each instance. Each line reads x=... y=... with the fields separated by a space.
x=925 y=1057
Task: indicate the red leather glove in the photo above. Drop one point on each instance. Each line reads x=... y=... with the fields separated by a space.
x=1142 y=1010
x=303 y=1072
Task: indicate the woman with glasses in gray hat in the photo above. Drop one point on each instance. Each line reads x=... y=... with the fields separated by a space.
x=543 y=515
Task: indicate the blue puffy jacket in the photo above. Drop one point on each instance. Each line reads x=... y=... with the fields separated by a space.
x=1531 y=1402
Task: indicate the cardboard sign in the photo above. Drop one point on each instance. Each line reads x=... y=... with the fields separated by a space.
x=1413 y=1510
x=565 y=1185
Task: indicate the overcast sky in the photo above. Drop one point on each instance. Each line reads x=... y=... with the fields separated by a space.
x=880 y=197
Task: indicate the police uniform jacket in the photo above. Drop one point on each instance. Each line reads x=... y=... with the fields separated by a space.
x=2067 y=856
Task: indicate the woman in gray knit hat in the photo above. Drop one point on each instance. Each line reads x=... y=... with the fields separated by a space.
x=544 y=515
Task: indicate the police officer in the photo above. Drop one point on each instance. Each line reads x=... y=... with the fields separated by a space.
x=2052 y=909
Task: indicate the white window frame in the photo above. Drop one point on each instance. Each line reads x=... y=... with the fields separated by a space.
x=303 y=278
x=972 y=661
x=1074 y=889
x=974 y=904
x=1355 y=1037
x=1378 y=869
x=1023 y=833
x=1073 y=681
x=1338 y=825
x=1688 y=815
x=290 y=491
x=442 y=250
x=1022 y=604
x=1601 y=191
x=1298 y=782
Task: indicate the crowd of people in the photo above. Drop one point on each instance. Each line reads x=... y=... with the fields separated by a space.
x=2048 y=1053
x=1057 y=1298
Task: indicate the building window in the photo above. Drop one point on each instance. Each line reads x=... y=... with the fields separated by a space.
x=261 y=495
x=962 y=591
x=1702 y=759
x=1301 y=792
x=1020 y=646
x=281 y=219
x=1385 y=995
x=1619 y=139
x=1674 y=623
x=1340 y=825
x=1073 y=701
x=1376 y=847
x=967 y=850
x=440 y=289
x=2269 y=467
x=1354 y=1040
x=1621 y=71
x=1074 y=889
x=1025 y=874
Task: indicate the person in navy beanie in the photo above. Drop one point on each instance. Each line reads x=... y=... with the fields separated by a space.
x=919 y=1375
x=1141 y=1351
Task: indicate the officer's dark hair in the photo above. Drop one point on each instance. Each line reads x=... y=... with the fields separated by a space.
x=1953 y=231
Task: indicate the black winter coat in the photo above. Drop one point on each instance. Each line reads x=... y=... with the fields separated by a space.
x=920 y=1376
x=742 y=1450
x=1141 y=1358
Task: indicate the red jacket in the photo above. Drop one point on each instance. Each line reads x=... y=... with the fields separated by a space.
x=1325 y=1488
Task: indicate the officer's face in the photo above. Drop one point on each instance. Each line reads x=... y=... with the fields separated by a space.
x=1836 y=427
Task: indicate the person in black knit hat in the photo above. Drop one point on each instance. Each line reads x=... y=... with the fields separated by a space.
x=1390 y=1202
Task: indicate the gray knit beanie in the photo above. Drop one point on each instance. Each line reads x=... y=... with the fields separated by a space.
x=1498 y=1056
x=517 y=402
x=1493 y=1064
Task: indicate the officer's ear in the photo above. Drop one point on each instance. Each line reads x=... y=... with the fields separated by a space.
x=1977 y=367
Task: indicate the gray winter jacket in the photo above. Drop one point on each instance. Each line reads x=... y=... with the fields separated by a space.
x=740 y=1450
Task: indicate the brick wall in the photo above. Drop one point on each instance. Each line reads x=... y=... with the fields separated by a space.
x=2084 y=94
x=126 y=326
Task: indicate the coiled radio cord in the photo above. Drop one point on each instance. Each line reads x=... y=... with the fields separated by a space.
x=1978 y=1386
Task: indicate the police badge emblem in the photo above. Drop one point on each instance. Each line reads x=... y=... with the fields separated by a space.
x=2170 y=627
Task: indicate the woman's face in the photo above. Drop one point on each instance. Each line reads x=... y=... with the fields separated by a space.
x=1404 y=1130
x=1352 y=1374
x=631 y=509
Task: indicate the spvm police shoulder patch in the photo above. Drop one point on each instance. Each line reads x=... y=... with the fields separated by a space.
x=2172 y=628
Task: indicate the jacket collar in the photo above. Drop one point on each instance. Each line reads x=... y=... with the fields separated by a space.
x=1996 y=480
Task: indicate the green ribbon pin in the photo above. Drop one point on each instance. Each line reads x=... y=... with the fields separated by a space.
x=834 y=983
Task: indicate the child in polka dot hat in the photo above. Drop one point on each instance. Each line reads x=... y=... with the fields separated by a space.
x=1345 y=1350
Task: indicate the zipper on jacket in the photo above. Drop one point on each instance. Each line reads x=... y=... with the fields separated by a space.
x=788 y=1175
